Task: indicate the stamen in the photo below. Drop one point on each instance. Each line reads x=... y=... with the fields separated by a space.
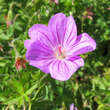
x=60 y=53
x=60 y=50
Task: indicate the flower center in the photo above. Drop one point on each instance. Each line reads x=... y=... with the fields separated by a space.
x=60 y=53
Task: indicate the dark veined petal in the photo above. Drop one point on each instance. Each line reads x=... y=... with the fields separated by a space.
x=40 y=32
x=39 y=51
x=56 y=26
x=77 y=60
x=43 y=65
x=36 y=29
x=83 y=44
x=39 y=55
x=70 y=32
x=27 y=43
x=63 y=29
x=63 y=69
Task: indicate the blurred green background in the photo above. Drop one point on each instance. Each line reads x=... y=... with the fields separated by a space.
x=23 y=87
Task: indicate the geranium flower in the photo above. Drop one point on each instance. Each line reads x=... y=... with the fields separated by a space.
x=55 y=48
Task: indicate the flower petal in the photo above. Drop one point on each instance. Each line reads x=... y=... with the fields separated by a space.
x=39 y=51
x=40 y=32
x=62 y=69
x=35 y=29
x=39 y=55
x=56 y=26
x=70 y=32
x=27 y=43
x=83 y=44
x=63 y=29
x=42 y=65
x=77 y=60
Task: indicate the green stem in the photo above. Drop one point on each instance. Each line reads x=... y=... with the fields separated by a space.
x=30 y=106
x=14 y=47
x=82 y=24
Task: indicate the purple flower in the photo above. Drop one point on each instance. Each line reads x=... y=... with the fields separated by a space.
x=55 y=48
x=72 y=107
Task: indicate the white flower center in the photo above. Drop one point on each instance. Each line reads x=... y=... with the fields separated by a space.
x=60 y=53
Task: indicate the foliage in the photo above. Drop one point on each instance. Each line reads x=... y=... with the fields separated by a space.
x=28 y=88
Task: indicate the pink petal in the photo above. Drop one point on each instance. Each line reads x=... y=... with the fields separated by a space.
x=83 y=44
x=27 y=43
x=77 y=60
x=70 y=32
x=40 y=32
x=42 y=65
x=39 y=51
x=63 y=69
x=40 y=56
x=56 y=26
x=36 y=29
x=63 y=29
